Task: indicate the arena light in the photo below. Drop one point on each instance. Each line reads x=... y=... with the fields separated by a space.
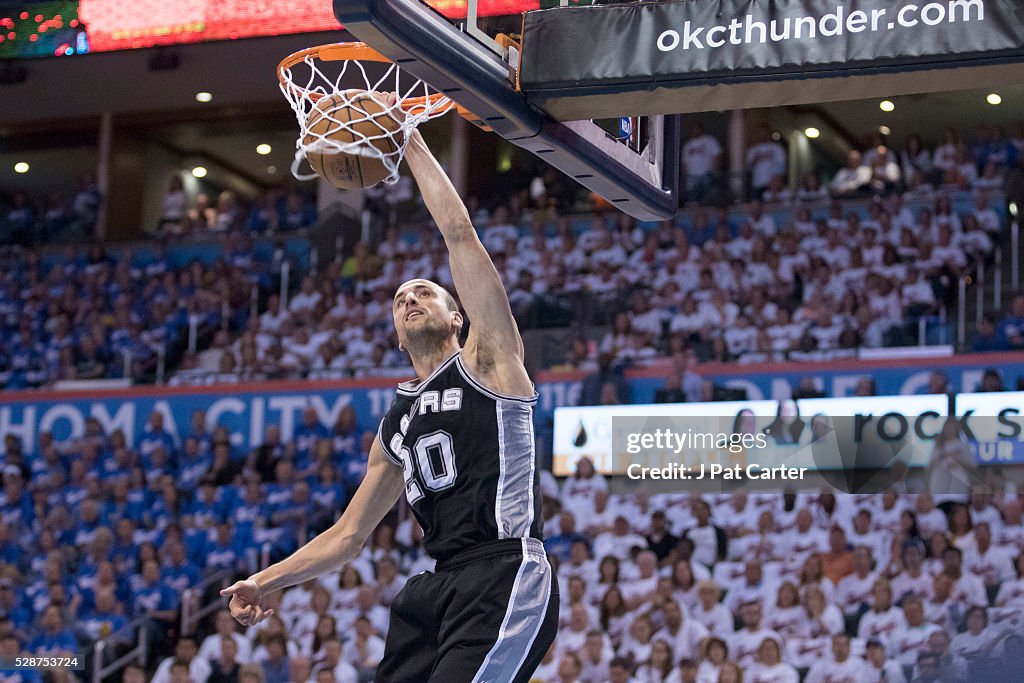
x=994 y=99
x=21 y=167
x=271 y=170
x=885 y=130
x=204 y=97
x=886 y=105
x=263 y=149
x=812 y=132
x=199 y=171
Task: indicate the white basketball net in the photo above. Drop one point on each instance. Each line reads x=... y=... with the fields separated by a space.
x=414 y=104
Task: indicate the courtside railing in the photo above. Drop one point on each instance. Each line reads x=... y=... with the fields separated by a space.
x=191 y=612
x=123 y=634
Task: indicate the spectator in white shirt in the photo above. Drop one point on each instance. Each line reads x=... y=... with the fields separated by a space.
x=225 y=624
x=880 y=669
x=912 y=635
x=852 y=178
x=184 y=651
x=715 y=659
x=761 y=222
x=595 y=657
x=742 y=337
x=702 y=155
x=620 y=541
x=992 y=564
x=883 y=620
x=842 y=666
x=578 y=490
x=333 y=660
x=765 y=160
x=769 y=667
x=685 y=634
x=660 y=667
x=885 y=172
x=307 y=298
x=854 y=590
x=710 y=613
x=980 y=640
x=745 y=643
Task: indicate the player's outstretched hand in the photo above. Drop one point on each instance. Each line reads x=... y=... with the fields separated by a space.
x=389 y=100
x=246 y=603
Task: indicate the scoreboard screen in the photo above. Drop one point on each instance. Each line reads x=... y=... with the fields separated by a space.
x=69 y=27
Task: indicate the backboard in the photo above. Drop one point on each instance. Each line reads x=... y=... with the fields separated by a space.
x=467 y=50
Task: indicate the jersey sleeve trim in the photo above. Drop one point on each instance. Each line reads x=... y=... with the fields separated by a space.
x=464 y=371
x=384 y=443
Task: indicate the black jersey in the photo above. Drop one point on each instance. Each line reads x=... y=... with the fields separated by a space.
x=468 y=457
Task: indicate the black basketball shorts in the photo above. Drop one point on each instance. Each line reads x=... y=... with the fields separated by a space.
x=487 y=615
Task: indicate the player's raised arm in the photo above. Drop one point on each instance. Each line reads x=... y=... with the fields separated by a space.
x=494 y=336
x=341 y=543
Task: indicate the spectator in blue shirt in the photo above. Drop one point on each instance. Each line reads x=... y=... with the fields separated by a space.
x=209 y=506
x=104 y=578
x=17 y=509
x=227 y=551
x=308 y=433
x=279 y=493
x=157 y=465
x=179 y=573
x=54 y=638
x=155 y=435
x=193 y=464
x=346 y=433
x=165 y=508
x=90 y=521
x=353 y=468
x=10 y=552
x=10 y=647
x=120 y=504
x=104 y=618
x=250 y=510
x=11 y=606
x=201 y=433
x=124 y=553
x=154 y=597
x=296 y=512
x=75 y=490
x=118 y=465
x=1011 y=328
x=561 y=545
x=327 y=492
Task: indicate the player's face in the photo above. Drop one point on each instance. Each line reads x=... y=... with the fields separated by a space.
x=420 y=310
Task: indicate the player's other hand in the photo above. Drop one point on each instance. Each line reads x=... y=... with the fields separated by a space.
x=246 y=604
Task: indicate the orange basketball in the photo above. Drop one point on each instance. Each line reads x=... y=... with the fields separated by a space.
x=331 y=119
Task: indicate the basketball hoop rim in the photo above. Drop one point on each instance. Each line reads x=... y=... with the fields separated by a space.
x=357 y=52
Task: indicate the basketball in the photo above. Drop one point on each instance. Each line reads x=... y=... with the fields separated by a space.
x=331 y=119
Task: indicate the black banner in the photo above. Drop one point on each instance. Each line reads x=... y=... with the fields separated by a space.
x=600 y=55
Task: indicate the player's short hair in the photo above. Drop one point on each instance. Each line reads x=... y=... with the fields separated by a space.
x=449 y=300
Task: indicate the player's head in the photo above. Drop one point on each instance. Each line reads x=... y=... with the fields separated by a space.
x=426 y=316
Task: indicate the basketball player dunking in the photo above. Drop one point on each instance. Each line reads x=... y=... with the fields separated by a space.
x=459 y=441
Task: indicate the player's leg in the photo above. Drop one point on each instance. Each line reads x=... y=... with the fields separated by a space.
x=411 y=645
x=501 y=614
